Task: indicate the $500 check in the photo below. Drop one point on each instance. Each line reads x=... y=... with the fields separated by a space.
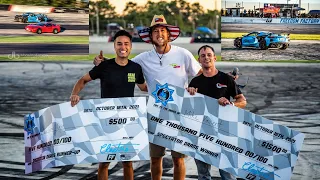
x=96 y=130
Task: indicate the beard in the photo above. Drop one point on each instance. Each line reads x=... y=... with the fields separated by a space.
x=161 y=44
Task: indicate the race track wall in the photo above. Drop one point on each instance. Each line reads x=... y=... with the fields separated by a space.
x=27 y=8
x=248 y=20
x=42 y=9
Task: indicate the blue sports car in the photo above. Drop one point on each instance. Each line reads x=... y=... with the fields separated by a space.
x=263 y=40
x=32 y=18
x=21 y=17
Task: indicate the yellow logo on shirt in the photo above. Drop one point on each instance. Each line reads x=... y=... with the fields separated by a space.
x=131 y=77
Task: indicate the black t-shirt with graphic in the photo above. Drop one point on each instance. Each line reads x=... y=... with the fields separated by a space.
x=115 y=80
x=220 y=85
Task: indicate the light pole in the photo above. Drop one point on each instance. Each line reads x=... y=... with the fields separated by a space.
x=97 y=22
x=288 y=7
x=259 y=8
x=225 y=4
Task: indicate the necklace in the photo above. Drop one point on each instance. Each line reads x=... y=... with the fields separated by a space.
x=161 y=55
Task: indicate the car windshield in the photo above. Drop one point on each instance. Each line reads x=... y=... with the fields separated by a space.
x=40 y=24
x=251 y=33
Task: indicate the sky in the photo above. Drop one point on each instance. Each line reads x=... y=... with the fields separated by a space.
x=249 y=4
x=206 y=4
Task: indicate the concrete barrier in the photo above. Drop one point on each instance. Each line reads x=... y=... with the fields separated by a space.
x=182 y=40
x=35 y=9
x=71 y=10
x=99 y=39
x=300 y=21
x=248 y=20
x=42 y=9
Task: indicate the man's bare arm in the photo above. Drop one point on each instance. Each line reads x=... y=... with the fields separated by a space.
x=241 y=101
x=143 y=87
x=74 y=98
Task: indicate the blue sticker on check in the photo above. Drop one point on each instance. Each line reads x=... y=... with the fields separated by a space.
x=232 y=139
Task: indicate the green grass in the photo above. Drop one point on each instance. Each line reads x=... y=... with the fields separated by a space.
x=47 y=58
x=233 y=35
x=45 y=39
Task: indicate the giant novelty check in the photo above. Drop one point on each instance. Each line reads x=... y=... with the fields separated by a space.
x=235 y=140
x=96 y=130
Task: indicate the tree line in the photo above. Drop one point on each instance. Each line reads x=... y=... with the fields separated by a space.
x=177 y=12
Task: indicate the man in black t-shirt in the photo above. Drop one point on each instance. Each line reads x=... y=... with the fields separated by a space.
x=118 y=77
x=218 y=85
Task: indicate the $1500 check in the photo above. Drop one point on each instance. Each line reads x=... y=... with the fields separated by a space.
x=96 y=130
x=232 y=139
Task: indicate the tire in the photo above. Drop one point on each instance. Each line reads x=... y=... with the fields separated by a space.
x=55 y=31
x=263 y=44
x=39 y=31
x=238 y=43
x=24 y=20
x=284 y=46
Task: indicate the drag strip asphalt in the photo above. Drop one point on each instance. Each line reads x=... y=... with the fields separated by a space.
x=276 y=28
x=22 y=26
x=285 y=93
x=30 y=49
x=297 y=50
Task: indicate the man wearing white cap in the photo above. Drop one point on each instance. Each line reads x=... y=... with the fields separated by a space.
x=167 y=64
